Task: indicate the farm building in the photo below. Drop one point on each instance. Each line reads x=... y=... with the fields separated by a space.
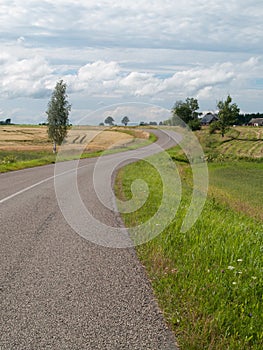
x=209 y=118
x=256 y=122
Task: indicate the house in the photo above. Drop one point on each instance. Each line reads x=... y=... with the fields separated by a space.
x=209 y=118
x=256 y=122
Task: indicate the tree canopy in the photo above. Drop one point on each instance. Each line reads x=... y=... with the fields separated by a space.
x=125 y=120
x=227 y=115
x=185 y=111
x=58 y=114
x=109 y=120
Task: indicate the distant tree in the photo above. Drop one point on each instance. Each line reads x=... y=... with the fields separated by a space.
x=101 y=124
x=152 y=123
x=58 y=115
x=109 y=120
x=6 y=122
x=125 y=120
x=185 y=110
x=227 y=115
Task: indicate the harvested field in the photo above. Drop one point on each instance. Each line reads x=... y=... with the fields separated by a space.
x=30 y=138
x=24 y=138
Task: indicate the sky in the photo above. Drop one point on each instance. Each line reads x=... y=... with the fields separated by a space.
x=118 y=55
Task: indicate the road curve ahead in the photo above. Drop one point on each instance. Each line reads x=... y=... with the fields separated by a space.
x=59 y=290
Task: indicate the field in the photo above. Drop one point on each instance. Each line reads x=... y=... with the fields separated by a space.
x=239 y=142
x=209 y=280
x=27 y=146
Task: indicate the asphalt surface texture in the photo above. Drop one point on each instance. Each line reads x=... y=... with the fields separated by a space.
x=60 y=290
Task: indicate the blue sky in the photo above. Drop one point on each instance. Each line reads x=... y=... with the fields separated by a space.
x=123 y=52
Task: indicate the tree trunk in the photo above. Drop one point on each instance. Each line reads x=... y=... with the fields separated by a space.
x=54 y=147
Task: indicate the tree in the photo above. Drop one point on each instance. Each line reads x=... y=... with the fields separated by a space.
x=227 y=115
x=186 y=111
x=125 y=120
x=109 y=120
x=58 y=115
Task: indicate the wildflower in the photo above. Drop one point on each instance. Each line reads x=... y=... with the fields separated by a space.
x=240 y=272
x=254 y=277
x=230 y=267
x=239 y=260
x=250 y=314
x=234 y=283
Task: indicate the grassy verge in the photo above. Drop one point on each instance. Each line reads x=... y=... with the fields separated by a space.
x=208 y=281
x=16 y=160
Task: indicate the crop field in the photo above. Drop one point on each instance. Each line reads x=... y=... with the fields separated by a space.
x=209 y=280
x=30 y=138
x=27 y=146
x=25 y=138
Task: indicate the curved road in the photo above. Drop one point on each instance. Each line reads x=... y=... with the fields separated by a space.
x=60 y=291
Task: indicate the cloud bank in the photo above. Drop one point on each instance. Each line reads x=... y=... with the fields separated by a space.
x=126 y=51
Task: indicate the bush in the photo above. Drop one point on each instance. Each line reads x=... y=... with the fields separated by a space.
x=194 y=124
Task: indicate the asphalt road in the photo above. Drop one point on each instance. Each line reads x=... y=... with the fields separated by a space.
x=59 y=290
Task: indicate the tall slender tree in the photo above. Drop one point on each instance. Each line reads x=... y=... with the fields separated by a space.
x=228 y=114
x=58 y=115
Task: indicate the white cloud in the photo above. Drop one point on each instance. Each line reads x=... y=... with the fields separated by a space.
x=131 y=50
x=26 y=77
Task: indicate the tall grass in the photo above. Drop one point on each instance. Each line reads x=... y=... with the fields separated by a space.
x=209 y=280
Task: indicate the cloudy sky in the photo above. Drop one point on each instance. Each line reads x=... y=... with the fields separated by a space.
x=129 y=52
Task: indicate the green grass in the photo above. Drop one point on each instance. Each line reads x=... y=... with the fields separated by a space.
x=240 y=185
x=208 y=281
x=16 y=160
